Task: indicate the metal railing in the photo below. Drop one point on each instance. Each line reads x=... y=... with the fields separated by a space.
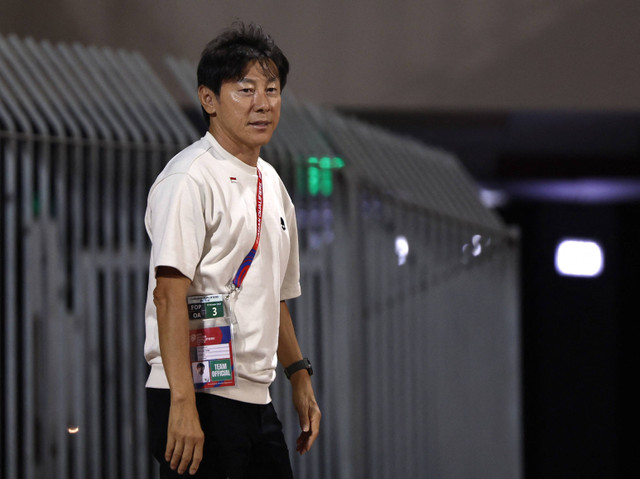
x=84 y=132
x=416 y=351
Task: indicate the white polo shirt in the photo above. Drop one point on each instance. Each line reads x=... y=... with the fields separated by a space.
x=201 y=219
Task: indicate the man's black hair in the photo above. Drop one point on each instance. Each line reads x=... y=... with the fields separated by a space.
x=226 y=57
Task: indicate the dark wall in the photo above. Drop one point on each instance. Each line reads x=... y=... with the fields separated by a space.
x=448 y=54
x=576 y=340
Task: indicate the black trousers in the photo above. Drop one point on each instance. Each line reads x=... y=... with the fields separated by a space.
x=242 y=440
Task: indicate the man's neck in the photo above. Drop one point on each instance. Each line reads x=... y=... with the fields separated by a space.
x=247 y=155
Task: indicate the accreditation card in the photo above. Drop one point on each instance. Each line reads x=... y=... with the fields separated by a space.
x=211 y=342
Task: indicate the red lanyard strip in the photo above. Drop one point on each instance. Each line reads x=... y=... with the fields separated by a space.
x=246 y=263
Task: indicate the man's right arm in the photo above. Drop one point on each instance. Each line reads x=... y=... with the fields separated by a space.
x=185 y=438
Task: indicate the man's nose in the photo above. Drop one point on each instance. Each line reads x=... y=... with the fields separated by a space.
x=262 y=102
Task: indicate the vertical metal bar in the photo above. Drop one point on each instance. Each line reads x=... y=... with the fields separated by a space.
x=10 y=158
x=392 y=330
x=374 y=333
x=325 y=348
x=434 y=344
x=401 y=301
x=141 y=254
x=346 y=269
x=414 y=342
x=419 y=402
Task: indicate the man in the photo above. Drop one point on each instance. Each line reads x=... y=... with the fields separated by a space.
x=211 y=203
x=198 y=376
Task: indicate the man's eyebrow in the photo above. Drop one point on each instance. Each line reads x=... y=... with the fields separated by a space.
x=252 y=81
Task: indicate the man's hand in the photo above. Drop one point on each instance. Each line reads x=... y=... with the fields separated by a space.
x=309 y=413
x=185 y=438
x=304 y=400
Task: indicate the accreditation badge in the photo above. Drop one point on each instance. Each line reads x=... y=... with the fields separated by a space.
x=211 y=342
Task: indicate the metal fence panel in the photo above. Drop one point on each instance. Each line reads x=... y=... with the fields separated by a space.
x=78 y=156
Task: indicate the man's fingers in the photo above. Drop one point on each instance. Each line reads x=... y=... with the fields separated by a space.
x=304 y=434
x=168 y=452
x=176 y=456
x=183 y=454
x=304 y=424
x=311 y=440
x=306 y=440
x=187 y=453
x=301 y=443
x=185 y=441
x=197 y=458
x=315 y=430
x=310 y=430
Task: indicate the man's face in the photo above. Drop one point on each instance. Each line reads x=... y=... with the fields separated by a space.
x=247 y=111
x=200 y=369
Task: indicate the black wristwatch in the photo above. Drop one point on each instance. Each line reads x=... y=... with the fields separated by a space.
x=297 y=366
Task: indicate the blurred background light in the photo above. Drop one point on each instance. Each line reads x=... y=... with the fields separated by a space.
x=319 y=175
x=402 y=249
x=579 y=257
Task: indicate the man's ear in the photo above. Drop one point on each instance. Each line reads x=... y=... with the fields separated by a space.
x=208 y=99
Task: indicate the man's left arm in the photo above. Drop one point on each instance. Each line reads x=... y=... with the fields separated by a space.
x=304 y=398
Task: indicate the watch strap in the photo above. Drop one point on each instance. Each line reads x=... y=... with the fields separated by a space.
x=297 y=366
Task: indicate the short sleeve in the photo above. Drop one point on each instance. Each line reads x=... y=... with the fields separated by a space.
x=175 y=224
x=290 y=287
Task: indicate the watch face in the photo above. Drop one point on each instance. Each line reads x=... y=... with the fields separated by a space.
x=307 y=365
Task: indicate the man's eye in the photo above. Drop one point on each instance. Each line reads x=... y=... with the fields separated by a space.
x=247 y=90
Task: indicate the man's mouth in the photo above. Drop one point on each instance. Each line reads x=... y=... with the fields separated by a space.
x=262 y=123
